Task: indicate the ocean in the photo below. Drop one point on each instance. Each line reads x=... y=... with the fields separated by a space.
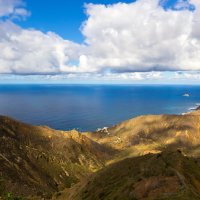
x=88 y=107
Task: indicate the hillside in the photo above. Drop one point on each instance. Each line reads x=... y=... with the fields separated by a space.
x=168 y=176
x=142 y=158
x=152 y=133
x=39 y=161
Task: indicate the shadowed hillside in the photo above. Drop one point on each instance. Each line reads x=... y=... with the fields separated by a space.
x=168 y=175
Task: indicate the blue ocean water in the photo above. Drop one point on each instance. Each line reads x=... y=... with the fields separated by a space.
x=88 y=107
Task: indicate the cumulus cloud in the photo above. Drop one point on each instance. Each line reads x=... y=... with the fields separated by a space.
x=33 y=52
x=29 y=51
x=142 y=36
x=124 y=39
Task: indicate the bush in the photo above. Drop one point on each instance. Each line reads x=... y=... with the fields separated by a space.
x=10 y=196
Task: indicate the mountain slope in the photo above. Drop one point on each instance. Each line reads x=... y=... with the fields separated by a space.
x=141 y=158
x=168 y=176
x=39 y=161
x=152 y=133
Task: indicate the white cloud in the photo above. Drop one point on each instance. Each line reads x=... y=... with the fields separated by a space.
x=33 y=52
x=142 y=36
x=13 y=8
x=130 y=77
x=120 y=39
x=191 y=76
x=29 y=51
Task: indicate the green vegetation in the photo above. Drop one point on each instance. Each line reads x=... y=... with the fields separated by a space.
x=10 y=196
x=7 y=195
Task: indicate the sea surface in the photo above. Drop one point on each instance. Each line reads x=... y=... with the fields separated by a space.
x=88 y=107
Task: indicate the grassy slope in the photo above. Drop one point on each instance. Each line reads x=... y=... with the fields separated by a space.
x=152 y=133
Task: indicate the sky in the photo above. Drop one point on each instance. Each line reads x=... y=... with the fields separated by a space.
x=60 y=16
x=100 y=41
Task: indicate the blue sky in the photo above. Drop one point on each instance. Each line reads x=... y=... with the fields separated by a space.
x=61 y=16
x=100 y=41
x=171 y=4
x=65 y=17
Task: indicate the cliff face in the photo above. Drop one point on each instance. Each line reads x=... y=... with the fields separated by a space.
x=137 y=159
